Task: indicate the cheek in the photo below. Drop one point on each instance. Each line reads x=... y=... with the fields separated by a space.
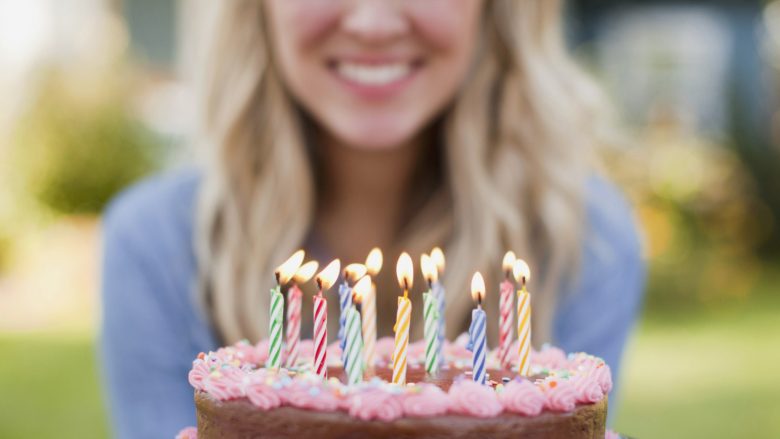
x=296 y=27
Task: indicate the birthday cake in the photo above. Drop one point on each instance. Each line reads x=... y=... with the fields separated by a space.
x=236 y=397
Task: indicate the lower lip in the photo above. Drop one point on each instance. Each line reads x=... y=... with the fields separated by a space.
x=377 y=92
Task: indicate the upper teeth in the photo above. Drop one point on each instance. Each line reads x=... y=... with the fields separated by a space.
x=373 y=74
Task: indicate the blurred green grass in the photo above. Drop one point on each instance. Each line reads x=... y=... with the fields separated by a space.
x=710 y=375
x=49 y=387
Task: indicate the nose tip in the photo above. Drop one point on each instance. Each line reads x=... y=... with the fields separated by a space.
x=375 y=20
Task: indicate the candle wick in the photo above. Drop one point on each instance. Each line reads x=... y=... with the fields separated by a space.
x=278 y=278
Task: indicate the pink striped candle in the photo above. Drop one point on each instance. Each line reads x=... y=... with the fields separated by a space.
x=325 y=280
x=506 y=312
x=294 y=300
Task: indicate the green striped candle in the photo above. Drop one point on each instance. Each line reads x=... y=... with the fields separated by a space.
x=275 y=338
x=354 y=355
x=431 y=316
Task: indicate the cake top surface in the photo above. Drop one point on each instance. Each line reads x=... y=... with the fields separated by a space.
x=558 y=383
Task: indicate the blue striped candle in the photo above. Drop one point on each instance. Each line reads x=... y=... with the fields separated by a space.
x=345 y=303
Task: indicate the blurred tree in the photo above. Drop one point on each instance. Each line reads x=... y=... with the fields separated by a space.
x=73 y=153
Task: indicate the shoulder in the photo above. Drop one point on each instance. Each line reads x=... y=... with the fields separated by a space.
x=611 y=237
x=160 y=204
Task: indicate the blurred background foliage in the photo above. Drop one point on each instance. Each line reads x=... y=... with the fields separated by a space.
x=75 y=153
x=97 y=94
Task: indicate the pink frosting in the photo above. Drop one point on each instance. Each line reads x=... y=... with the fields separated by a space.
x=522 y=397
x=429 y=401
x=602 y=374
x=561 y=396
x=306 y=349
x=611 y=435
x=588 y=389
x=224 y=384
x=470 y=398
x=549 y=357
x=263 y=396
x=384 y=348
x=376 y=404
x=310 y=397
x=261 y=348
x=188 y=433
x=198 y=373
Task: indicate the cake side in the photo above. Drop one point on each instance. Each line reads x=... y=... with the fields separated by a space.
x=241 y=419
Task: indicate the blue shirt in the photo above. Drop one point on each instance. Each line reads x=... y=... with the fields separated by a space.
x=152 y=326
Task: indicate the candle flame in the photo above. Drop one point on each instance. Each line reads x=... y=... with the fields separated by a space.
x=478 y=287
x=404 y=270
x=305 y=272
x=521 y=271
x=509 y=261
x=428 y=267
x=374 y=261
x=286 y=271
x=361 y=289
x=353 y=272
x=327 y=277
x=438 y=258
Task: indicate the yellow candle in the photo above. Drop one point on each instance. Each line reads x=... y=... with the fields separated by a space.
x=404 y=271
x=522 y=274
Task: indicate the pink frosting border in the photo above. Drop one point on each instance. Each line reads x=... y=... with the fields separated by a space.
x=232 y=372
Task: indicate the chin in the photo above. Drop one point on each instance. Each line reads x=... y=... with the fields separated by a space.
x=374 y=136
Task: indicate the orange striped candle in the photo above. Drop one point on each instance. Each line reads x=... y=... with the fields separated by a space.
x=404 y=271
x=522 y=274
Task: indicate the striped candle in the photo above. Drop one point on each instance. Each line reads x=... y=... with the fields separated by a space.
x=354 y=364
x=369 y=327
x=437 y=256
x=275 y=330
x=405 y=274
x=522 y=274
x=438 y=293
x=477 y=344
x=345 y=302
x=505 y=322
x=324 y=281
x=401 y=340
x=294 y=299
x=524 y=331
x=373 y=266
x=477 y=338
x=320 y=336
x=431 y=317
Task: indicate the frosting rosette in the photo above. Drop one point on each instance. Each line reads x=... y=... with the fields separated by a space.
x=427 y=400
x=470 y=398
x=561 y=396
x=375 y=404
x=522 y=397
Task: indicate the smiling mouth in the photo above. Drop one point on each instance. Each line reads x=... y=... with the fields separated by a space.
x=374 y=74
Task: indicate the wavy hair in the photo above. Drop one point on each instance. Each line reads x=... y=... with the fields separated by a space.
x=516 y=149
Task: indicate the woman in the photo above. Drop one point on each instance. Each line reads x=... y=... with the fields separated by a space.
x=340 y=125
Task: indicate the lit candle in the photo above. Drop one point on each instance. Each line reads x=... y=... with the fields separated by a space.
x=522 y=274
x=352 y=273
x=404 y=272
x=437 y=256
x=373 y=265
x=294 y=299
x=477 y=340
x=354 y=365
x=283 y=274
x=430 y=316
x=325 y=280
x=506 y=311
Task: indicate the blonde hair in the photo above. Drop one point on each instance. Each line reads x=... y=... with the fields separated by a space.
x=518 y=140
